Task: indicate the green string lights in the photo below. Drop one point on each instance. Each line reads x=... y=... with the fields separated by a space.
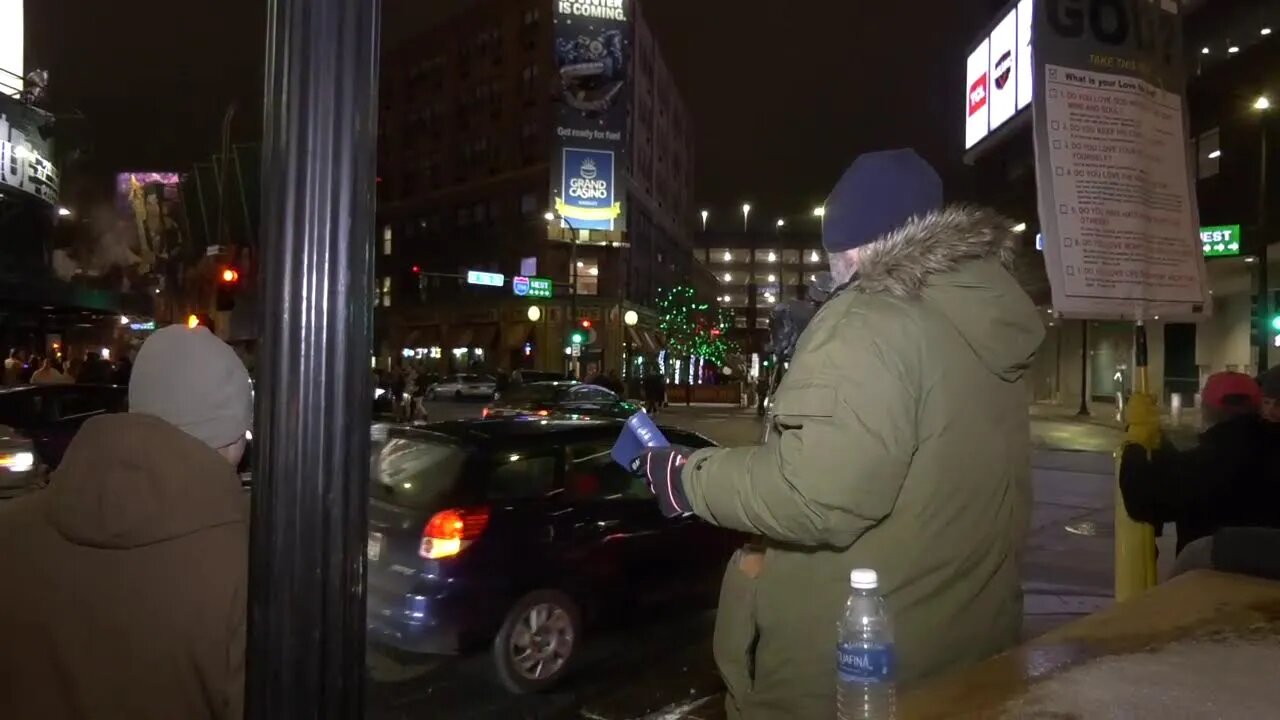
x=692 y=329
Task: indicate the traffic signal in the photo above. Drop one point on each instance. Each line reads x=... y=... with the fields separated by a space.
x=228 y=285
x=581 y=335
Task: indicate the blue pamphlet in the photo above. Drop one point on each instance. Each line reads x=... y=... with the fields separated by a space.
x=638 y=433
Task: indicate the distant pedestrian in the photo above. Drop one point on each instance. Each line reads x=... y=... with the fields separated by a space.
x=123 y=371
x=128 y=599
x=655 y=391
x=48 y=374
x=94 y=371
x=900 y=442
x=12 y=368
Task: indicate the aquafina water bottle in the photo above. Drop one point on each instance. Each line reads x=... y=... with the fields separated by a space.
x=864 y=653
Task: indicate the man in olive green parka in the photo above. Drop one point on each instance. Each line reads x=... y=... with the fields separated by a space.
x=901 y=443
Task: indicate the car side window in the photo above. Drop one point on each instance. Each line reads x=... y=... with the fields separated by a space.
x=592 y=474
x=516 y=476
x=602 y=395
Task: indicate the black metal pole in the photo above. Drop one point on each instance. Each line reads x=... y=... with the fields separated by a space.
x=1084 y=369
x=1264 y=295
x=307 y=560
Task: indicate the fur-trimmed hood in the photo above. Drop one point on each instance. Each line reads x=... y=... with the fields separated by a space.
x=901 y=263
x=958 y=261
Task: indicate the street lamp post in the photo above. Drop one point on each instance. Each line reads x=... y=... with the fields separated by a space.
x=552 y=216
x=306 y=605
x=1262 y=105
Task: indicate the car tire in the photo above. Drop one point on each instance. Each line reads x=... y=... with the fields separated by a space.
x=536 y=645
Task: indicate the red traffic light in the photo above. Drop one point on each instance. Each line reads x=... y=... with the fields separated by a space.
x=417 y=270
x=230 y=276
x=586 y=324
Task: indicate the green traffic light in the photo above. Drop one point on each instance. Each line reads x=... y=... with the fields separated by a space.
x=576 y=338
x=1275 y=323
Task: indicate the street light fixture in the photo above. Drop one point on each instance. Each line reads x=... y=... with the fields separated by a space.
x=534 y=314
x=630 y=318
x=1262 y=103
x=819 y=212
x=1019 y=228
x=746 y=212
x=64 y=212
x=550 y=216
x=705 y=214
x=781 y=222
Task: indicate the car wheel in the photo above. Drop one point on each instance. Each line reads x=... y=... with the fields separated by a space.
x=536 y=644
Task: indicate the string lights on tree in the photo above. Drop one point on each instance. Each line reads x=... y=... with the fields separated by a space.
x=693 y=329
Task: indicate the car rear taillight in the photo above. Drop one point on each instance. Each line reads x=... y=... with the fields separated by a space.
x=484 y=413
x=449 y=532
x=543 y=413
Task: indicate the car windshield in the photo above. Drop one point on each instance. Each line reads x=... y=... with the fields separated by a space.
x=415 y=473
x=524 y=394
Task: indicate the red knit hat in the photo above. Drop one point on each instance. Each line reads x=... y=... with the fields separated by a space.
x=1222 y=385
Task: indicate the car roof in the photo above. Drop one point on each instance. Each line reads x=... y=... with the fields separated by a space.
x=503 y=430
x=58 y=387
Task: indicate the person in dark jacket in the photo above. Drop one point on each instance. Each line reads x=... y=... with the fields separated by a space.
x=128 y=597
x=1230 y=479
x=655 y=390
x=1270 y=382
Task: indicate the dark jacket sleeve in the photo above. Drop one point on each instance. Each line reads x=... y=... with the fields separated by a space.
x=1164 y=487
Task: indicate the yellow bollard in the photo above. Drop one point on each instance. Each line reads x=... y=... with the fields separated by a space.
x=1136 y=541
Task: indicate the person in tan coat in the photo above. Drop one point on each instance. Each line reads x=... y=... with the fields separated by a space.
x=124 y=581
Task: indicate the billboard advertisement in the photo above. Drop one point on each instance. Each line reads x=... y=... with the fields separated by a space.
x=977 y=108
x=592 y=55
x=11 y=39
x=152 y=204
x=998 y=74
x=26 y=161
x=1004 y=71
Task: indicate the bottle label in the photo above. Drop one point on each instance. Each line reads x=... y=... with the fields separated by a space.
x=858 y=663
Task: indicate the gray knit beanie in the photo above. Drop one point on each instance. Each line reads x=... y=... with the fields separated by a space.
x=194 y=381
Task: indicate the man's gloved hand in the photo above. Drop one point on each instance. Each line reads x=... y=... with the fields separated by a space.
x=661 y=467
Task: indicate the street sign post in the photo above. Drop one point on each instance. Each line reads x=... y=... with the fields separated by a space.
x=540 y=287
x=1220 y=240
x=488 y=279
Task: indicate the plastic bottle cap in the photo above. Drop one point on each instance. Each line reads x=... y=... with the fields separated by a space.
x=864 y=579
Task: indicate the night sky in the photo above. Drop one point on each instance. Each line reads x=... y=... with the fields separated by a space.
x=782 y=100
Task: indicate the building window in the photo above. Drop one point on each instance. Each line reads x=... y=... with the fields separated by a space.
x=531 y=16
x=740 y=322
x=762 y=323
x=386 y=292
x=814 y=257
x=1208 y=153
x=588 y=277
x=791 y=257
x=528 y=204
x=767 y=256
x=386 y=240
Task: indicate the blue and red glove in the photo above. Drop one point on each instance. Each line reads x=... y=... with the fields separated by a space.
x=661 y=468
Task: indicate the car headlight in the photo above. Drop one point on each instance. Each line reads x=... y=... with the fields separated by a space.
x=17 y=462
